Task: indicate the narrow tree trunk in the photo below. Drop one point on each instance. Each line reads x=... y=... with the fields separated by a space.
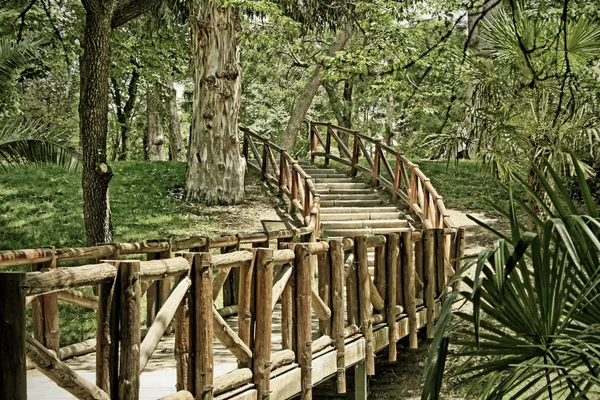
x=215 y=168
x=310 y=90
x=176 y=150
x=389 y=120
x=155 y=139
x=93 y=117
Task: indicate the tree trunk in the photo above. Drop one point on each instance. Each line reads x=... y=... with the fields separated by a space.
x=124 y=112
x=176 y=150
x=93 y=117
x=215 y=172
x=310 y=90
x=390 y=118
x=155 y=139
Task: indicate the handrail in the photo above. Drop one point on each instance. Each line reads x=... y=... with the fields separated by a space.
x=287 y=175
x=416 y=190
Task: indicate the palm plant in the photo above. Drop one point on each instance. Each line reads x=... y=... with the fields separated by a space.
x=25 y=142
x=535 y=327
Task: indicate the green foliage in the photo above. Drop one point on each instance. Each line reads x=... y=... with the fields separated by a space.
x=535 y=327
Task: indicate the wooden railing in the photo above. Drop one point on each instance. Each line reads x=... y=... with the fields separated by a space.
x=386 y=166
x=279 y=168
x=357 y=315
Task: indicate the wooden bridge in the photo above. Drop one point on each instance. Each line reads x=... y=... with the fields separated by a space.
x=352 y=279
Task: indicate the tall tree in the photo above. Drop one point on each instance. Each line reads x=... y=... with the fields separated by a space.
x=216 y=169
x=176 y=149
x=154 y=139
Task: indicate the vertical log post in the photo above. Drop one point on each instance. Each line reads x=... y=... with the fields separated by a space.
x=163 y=289
x=265 y=162
x=246 y=312
x=376 y=164
x=231 y=287
x=413 y=187
x=419 y=265
x=352 y=293
x=131 y=293
x=391 y=257
x=201 y=332
x=354 y=160
x=408 y=279
x=313 y=142
x=440 y=260
x=182 y=343
x=328 y=146
x=459 y=253
x=288 y=334
x=45 y=314
x=364 y=301
x=294 y=188
x=429 y=277
x=283 y=171
x=379 y=277
x=337 y=310
x=264 y=300
x=107 y=336
x=303 y=321
x=324 y=285
x=360 y=381
x=397 y=177
x=13 y=375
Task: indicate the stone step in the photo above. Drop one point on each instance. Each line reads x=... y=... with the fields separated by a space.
x=350 y=203
x=318 y=175
x=367 y=196
x=349 y=185
x=361 y=216
x=310 y=171
x=382 y=223
x=356 y=210
x=345 y=191
x=332 y=180
x=340 y=233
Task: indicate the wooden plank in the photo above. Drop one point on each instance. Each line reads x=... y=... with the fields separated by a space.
x=202 y=327
x=429 y=277
x=391 y=256
x=352 y=294
x=129 y=365
x=419 y=267
x=378 y=287
x=13 y=375
x=337 y=310
x=182 y=341
x=288 y=334
x=440 y=264
x=360 y=381
x=264 y=306
x=408 y=279
x=107 y=336
x=324 y=285
x=303 y=322
x=364 y=301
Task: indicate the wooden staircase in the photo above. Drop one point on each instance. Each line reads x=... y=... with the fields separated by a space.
x=350 y=208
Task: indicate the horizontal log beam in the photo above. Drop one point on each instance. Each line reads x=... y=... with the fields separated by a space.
x=13 y=258
x=59 y=279
x=79 y=298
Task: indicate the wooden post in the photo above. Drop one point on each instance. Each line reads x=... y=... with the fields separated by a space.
x=459 y=253
x=246 y=314
x=245 y=147
x=201 y=332
x=360 y=381
x=182 y=343
x=413 y=187
x=440 y=267
x=288 y=334
x=376 y=164
x=312 y=142
x=364 y=301
x=419 y=265
x=352 y=294
x=107 y=336
x=231 y=286
x=282 y=171
x=408 y=279
x=324 y=284
x=129 y=366
x=380 y=273
x=397 y=178
x=265 y=162
x=163 y=290
x=391 y=257
x=45 y=313
x=429 y=277
x=13 y=375
x=294 y=188
x=264 y=301
x=328 y=146
x=354 y=160
x=303 y=320
x=337 y=310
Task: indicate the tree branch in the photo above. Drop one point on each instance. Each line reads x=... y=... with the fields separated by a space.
x=131 y=9
x=22 y=16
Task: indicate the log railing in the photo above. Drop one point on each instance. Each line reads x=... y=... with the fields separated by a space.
x=386 y=167
x=362 y=305
x=279 y=168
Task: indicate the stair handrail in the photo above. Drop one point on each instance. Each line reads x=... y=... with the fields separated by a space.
x=288 y=176
x=417 y=191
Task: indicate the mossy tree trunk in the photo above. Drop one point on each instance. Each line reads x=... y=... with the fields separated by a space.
x=176 y=149
x=216 y=169
x=155 y=138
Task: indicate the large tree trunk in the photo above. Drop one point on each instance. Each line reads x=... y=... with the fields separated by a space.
x=93 y=117
x=155 y=139
x=176 y=150
x=215 y=172
x=310 y=90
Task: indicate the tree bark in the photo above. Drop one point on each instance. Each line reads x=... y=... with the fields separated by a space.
x=155 y=139
x=310 y=90
x=215 y=172
x=124 y=112
x=93 y=117
x=176 y=149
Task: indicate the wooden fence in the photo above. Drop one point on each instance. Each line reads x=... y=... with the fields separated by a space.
x=357 y=315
